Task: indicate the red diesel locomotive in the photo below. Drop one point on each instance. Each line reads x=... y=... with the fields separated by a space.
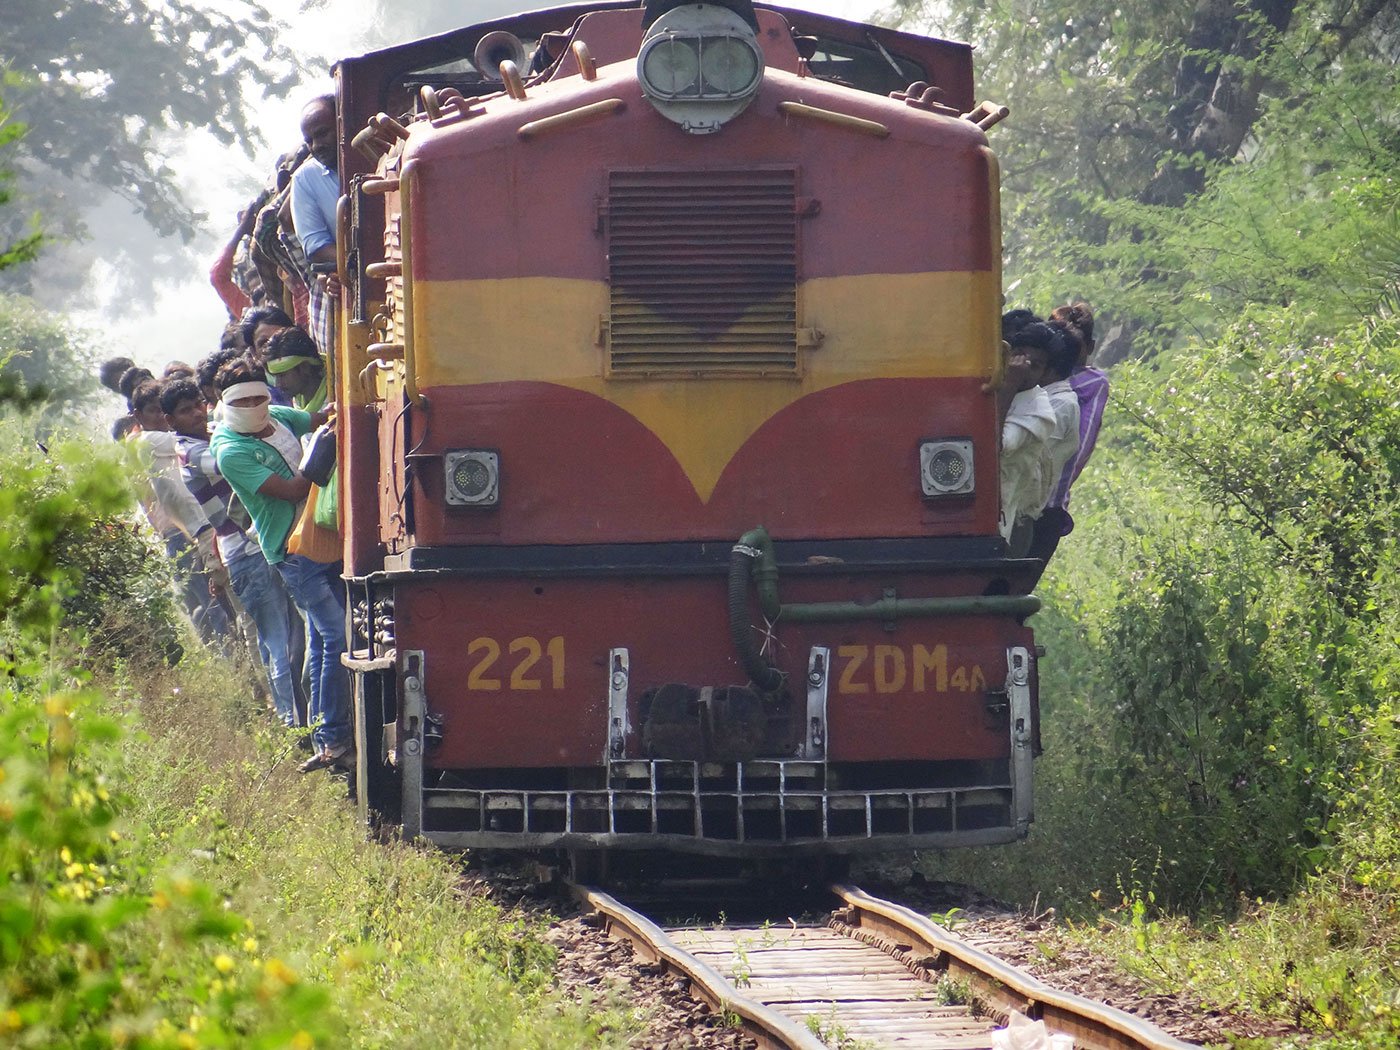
x=669 y=477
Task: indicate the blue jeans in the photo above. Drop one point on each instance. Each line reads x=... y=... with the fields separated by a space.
x=317 y=591
x=262 y=594
x=207 y=615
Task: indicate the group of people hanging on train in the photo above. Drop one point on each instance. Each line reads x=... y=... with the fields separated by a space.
x=225 y=446
x=1050 y=403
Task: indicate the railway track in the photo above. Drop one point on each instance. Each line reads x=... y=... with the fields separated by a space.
x=875 y=975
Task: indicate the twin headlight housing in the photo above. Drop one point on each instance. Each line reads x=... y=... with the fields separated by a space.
x=700 y=65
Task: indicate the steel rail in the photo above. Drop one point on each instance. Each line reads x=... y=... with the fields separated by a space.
x=771 y=1029
x=1094 y=1026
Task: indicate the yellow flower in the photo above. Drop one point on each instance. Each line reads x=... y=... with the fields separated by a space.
x=250 y=944
x=159 y=901
x=280 y=971
x=65 y=855
x=224 y=963
x=303 y=1041
x=11 y=1021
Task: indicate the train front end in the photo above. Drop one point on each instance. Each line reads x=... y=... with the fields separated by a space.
x=669 y=458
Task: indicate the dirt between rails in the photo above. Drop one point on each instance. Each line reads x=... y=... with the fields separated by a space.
x=593 y=969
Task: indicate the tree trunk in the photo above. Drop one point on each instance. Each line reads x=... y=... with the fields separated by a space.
x=1216 y=91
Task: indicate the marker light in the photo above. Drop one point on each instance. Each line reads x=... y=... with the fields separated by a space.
x=945 y=468
x=473 y=478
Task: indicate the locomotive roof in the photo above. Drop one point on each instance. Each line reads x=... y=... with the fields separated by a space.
x=889 y=58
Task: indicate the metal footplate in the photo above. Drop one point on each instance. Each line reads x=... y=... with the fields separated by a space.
x=729 y=808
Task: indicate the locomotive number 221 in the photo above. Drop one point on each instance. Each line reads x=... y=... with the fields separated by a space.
x=521 y=664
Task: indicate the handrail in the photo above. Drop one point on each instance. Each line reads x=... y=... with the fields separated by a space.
x=408 y=178
x=342 y=255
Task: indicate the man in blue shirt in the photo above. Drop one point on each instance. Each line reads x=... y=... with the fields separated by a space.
x=315 y=191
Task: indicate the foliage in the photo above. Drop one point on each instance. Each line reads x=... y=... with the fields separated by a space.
x=167 y=879
x=47 y=499
x=103 y=85
x=45 y=363
x=1313 y=462
x=26 y=245
x=1324 y=961
x=1309 y=223
x=93 y=950
x=1175 y=163
x=97 y=950
x=71 y=554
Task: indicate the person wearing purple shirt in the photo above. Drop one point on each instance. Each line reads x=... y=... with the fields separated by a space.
x=1090 y=386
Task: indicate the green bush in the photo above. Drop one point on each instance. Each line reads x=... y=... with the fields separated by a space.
x=72 y=553
x=1222 y=631
x=96 y=950
x=45 y=362
x=166 y=878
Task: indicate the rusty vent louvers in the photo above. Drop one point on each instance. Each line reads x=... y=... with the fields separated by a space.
x=393 y=286
x=703 y=271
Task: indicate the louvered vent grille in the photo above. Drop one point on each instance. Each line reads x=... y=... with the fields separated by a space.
x=703 y=266
x=393 y=286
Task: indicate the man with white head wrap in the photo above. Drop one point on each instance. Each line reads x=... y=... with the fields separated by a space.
x=256 y=446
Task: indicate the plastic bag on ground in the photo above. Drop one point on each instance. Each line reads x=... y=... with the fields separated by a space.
x=1021 y=1033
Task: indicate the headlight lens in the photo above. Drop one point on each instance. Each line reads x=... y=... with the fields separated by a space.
x=729 y=66
x=945 y=468
x=473 y=477
x=672 y=67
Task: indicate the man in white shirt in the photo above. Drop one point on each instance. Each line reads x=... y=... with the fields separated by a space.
x=1028 y=422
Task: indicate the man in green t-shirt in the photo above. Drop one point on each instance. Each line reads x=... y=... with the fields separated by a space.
x=257 y=446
